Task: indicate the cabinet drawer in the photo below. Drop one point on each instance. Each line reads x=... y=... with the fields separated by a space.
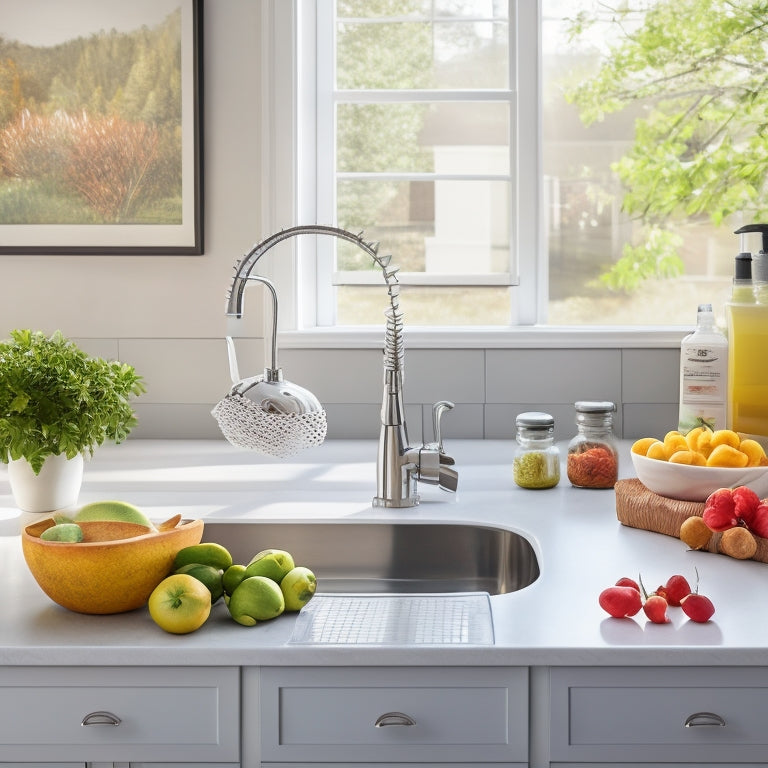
x=165 y=714
x=695 y=715
x=457 y=714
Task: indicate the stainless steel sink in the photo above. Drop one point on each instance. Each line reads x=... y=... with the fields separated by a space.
x=391 y=557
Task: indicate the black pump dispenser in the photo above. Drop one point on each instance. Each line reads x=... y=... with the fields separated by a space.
x=759 y=269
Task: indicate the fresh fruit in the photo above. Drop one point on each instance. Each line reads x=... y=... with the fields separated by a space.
x=739 y=543
x=725 y=455
x=719 y=510
x=620 y=602
x=703 y=447
x=232 y=577
x=674 y=441
x=724 y=437
x=625 y=581
x=695 y=532
x=655 y=608
x=121 y=511
x=745 y=503
x=642 y=445
x=728 y=508
x=754 y=451
x=698 y=608
x=676 y=588
x=256 y=598
x=207 y=553
x=210 y=576
x=180 y=603
x=759 y=523
x=298 y=587
x=70 y=532
x=688 y=457
x=272 y=563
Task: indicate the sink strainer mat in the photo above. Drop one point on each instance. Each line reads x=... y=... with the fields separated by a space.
x=413 y=619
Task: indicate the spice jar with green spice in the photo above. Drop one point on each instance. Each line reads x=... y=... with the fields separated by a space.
x=537 y=459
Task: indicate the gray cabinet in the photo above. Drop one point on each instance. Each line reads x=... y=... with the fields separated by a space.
x=119 y=715
x=664 y=716
x=391 y=715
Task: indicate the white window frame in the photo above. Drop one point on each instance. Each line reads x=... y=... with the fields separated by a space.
x=289 y=197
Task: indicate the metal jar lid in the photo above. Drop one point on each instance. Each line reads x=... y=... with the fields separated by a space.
x=535 y=420
x=595 y=406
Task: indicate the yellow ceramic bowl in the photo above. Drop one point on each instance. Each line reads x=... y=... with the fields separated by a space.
x=692 y=483
x=114 y=569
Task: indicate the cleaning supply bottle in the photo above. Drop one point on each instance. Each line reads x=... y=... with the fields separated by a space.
x=703 y=375
x=747 y=351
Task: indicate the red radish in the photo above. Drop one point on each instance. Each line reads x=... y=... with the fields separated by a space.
x=655 y=608
x=625 y=581
x=698 y=608
x=620 y=601
x=676 y=589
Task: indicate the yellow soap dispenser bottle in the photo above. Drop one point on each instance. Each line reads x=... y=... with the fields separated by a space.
x=748 y=348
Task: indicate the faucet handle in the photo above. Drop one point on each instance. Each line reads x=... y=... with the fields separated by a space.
x=438 y=409
x=434 y=465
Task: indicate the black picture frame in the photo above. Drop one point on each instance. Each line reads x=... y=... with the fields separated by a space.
x=160 y=133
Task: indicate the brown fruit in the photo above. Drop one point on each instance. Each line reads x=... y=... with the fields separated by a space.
x=695 y=533
x=738 y=543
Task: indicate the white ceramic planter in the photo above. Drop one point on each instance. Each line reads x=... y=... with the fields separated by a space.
x=57 y=486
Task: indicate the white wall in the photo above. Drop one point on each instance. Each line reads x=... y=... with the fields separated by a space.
x=165 y=315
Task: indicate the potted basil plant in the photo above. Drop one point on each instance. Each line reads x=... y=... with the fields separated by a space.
x=57 y=405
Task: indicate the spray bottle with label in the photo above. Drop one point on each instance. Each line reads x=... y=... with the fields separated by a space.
x=703 y=375
x=747 y=314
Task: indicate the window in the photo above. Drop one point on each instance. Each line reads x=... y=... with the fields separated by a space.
x=452 y=131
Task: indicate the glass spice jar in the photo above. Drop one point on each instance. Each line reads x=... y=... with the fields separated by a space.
x=537 y=459
x=592 y=460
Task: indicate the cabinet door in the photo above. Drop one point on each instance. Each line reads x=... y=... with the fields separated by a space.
x=664 y=715
x=394 y=715
x=119 y=714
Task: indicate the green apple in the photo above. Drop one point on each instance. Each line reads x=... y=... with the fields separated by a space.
x=180 y=603
x=256 y=598
x=298 y=587
x=272 y=563
x=232 y=577
x=210 y=576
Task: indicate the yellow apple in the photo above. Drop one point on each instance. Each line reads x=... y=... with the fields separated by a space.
x=180 y=604
x=298 y=587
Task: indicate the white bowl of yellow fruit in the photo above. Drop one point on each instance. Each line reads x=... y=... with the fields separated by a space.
x=691 y=466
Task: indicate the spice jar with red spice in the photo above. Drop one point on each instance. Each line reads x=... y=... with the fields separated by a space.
x=592 y=460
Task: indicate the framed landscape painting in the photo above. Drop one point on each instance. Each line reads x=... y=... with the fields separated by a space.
x=101 y=127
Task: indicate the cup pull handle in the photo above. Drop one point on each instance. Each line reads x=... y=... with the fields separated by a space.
x=101 y=718
x=698 y=719
x=393 y=718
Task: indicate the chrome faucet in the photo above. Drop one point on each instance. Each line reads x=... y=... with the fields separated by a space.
x=399 y=466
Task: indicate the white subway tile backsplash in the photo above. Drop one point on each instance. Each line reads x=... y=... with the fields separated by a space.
x=188 y=370
x=650 y=376
x=445 y=374
x=546 y=376
x=186 y=377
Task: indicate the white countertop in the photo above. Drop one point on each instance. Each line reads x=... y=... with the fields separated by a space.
x=581 y=548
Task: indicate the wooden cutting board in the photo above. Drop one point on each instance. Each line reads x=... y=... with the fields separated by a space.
x=638 y=507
